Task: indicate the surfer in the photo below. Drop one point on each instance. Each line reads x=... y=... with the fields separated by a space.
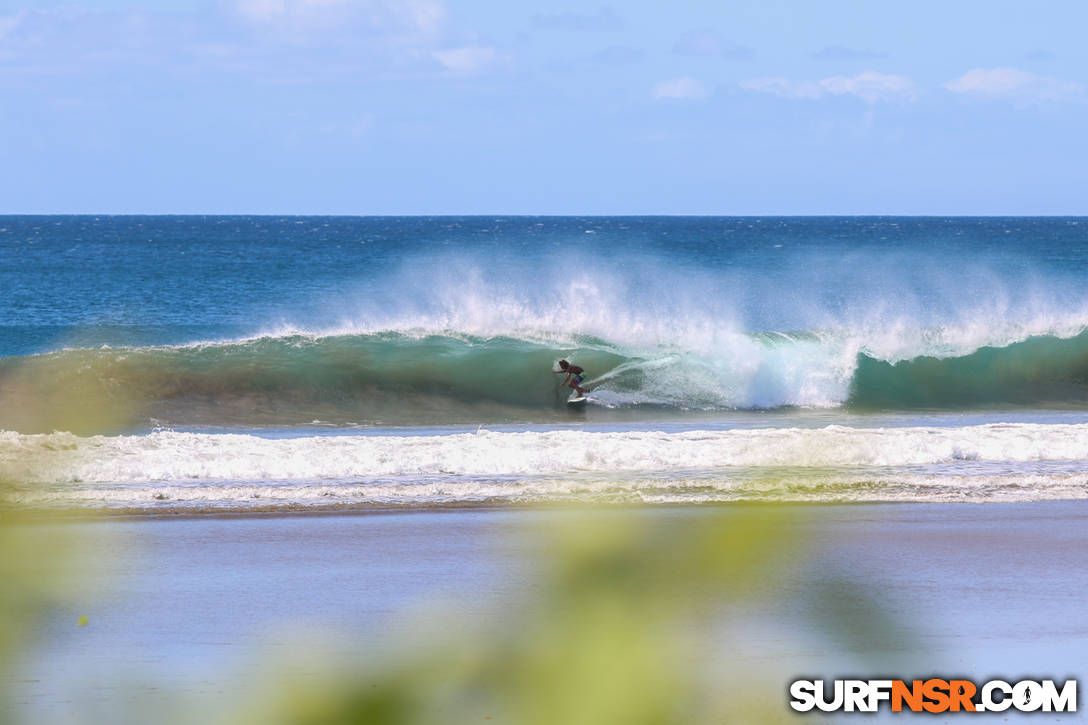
x=574 y=376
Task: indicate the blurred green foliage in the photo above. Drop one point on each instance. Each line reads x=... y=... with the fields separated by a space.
x=614 y=636
x=617 y=633
x=43 y=567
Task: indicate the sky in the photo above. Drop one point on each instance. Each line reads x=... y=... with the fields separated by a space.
x=491 y=107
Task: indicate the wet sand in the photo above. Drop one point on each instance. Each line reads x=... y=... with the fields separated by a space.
x=971 y=590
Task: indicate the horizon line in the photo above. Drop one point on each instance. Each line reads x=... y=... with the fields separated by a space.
x=549 y=215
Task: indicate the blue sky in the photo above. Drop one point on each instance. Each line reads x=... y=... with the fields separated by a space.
x=446 y=107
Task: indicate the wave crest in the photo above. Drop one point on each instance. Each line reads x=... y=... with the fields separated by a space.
x=395 y=378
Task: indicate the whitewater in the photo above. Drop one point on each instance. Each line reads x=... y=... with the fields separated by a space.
x=208 y=363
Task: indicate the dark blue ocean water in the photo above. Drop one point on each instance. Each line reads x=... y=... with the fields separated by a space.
x=411 y=359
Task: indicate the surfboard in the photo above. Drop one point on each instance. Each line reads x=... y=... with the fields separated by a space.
x=576 y=399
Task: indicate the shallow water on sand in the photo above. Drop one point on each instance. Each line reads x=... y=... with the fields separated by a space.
x=979 y=591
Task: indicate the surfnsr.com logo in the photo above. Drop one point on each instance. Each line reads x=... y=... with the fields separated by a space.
x=933 y=695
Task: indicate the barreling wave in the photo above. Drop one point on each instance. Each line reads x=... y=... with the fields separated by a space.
x=400 y=378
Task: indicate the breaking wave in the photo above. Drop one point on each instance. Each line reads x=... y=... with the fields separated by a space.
x=422 y=378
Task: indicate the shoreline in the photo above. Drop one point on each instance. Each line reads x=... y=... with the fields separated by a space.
x=80 y=515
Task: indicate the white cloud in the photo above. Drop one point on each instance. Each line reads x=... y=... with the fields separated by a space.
x=428 y=14
x=271 y=10
x=706 y=43
x=869 y=86
x=468 y=59
x=278 y=41
x=680 y=89
x=381 y=15
x=1014 y=84
x=294 y=40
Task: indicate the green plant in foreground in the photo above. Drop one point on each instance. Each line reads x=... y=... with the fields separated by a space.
x=613 y=637
x=629 y=601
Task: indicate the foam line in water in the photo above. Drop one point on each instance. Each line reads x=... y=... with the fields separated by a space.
x=171 y=456
x=786 y=486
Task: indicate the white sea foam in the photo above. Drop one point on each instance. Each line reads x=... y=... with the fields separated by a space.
x=172 y=456
x=684 y=487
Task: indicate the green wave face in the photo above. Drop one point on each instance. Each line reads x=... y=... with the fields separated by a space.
x=1044 y=371
x=400 y=379
x=383 y=378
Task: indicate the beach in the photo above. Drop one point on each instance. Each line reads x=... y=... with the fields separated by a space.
x=198 y=609
x=419 y=362
x=334 y=453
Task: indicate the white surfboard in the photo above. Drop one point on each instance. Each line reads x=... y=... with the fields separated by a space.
x=576 y=399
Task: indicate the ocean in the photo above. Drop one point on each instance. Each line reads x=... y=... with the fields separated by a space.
x=262 y=363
